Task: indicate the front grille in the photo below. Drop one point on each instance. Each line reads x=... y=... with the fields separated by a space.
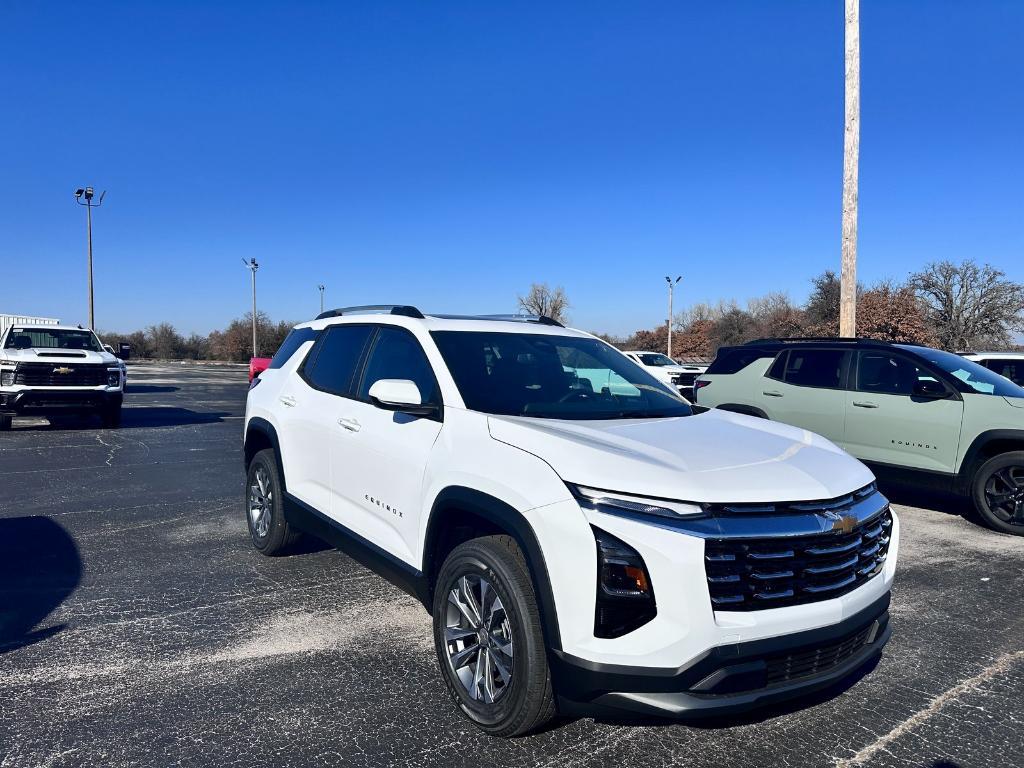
x=813 y=661
x=46 y=374
x=684 y=379
x=750 y=574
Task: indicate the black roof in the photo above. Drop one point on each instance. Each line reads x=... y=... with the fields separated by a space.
x=843 y=341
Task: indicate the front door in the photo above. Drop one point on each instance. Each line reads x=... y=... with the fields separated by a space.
x=887 y=423
x=379 y=457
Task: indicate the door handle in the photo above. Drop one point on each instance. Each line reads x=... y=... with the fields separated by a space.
x=287 y=400
x=771 y=393
x=864 y=404
x=350 y=424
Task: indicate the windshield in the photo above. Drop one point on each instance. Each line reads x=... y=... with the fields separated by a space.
x=56 y=338
x=552 y=377
x=977 y=377
x=653 y=358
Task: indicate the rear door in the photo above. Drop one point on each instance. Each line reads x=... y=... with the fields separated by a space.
x=805 y=387
x=887 y=423
x=378 y=456
x=309 y=404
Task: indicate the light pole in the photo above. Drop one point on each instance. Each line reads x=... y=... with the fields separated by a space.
x=671 y=288
x=321 y=287
x=253 y=266
x=84 y=196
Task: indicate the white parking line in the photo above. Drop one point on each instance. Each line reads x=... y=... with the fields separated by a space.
x=999 y=666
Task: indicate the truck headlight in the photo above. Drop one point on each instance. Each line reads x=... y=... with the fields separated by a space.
x=617 y=503
x=113 y=377
x=7 y=377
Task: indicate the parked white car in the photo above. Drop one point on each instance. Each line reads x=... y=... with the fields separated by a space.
x=54 y=369
x=678 y=375
x=582 y=538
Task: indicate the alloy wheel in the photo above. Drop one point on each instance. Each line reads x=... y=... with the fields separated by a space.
x=1004 y=494
x=478 y=639
x=261 y=502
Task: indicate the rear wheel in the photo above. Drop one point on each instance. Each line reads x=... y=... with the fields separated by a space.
x=264 y=506
x=999 y=492
x=488 y=637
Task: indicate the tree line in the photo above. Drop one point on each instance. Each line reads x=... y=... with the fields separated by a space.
x=951 y=306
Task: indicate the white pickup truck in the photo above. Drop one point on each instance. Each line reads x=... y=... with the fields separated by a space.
x=53 y=369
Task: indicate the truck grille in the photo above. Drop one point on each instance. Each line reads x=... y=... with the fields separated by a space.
x=750 y=574
x=49 y=375
x=684 y=379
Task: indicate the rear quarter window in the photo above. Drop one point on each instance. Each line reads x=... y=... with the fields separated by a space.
x=735 y=360
x=295 y=339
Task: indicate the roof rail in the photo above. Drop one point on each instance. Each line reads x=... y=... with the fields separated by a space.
x=801 y=339
x=368 y=309
x=540 y=319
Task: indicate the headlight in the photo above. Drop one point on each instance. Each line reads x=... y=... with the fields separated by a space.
x=7 y=377
x=614 y=502
x=113 y=377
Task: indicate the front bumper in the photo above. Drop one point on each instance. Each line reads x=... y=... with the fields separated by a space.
x=55 y=401
x=728 y=678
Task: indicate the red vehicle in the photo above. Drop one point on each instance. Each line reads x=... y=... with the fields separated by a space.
x=257 y=365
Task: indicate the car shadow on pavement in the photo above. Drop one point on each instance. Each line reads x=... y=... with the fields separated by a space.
x=138 y=389
x=135 y=417
x=39 y=569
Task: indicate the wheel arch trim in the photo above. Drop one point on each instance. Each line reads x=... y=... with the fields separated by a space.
x=972 y=456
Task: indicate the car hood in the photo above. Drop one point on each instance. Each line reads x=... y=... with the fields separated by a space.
x=713 y=457
x=56 y=356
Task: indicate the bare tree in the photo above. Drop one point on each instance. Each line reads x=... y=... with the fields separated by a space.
x=543 y=300
x=851 y=161
x=970 y=305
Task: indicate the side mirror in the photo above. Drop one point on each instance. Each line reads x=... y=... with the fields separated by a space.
x=934 y=390
x=399 y=395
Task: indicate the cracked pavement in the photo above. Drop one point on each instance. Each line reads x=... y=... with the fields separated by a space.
x=140 y=628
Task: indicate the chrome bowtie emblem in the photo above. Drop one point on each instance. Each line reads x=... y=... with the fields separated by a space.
x=840 y=523
x=63 y=370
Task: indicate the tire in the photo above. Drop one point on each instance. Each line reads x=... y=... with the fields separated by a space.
x=111 y=417
x=998 y=492
x=264 y=506
x=512 y=695
x=6 y=420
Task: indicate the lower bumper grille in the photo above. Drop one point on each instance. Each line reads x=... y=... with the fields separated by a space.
x=814 y=661
x=753 y=574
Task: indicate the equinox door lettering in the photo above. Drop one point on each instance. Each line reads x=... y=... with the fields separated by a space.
x=386 y=507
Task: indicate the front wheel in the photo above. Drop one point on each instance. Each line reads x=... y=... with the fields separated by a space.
x=488 y=637
x=264 y=506
x=998 y=492
x=111 y=417
x=6 y=420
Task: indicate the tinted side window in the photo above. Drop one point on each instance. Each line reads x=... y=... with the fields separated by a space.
x=815 y=367
x=1012 y=369
x=295 y=339
x=331 y=366
x=396 y=354
x=778 y=369
x=889 y=374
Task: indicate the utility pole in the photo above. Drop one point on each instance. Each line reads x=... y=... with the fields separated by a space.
x=253 y=266
x=671 y=289
x=321 y=287
x=84 y=196
x=851 y=161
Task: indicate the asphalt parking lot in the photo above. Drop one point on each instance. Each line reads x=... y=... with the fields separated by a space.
x=139 y=627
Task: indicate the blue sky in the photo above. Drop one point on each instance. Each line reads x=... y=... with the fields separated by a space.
x=448 y=154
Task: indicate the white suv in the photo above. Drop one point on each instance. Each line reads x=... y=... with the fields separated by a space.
x=52 y=369
x=584 y=539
